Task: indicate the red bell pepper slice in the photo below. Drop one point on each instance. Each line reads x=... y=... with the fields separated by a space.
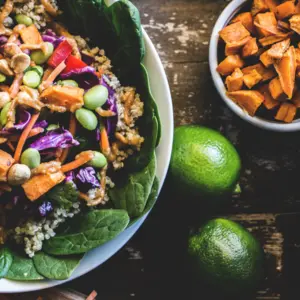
x=72 y=63
x=60 y=54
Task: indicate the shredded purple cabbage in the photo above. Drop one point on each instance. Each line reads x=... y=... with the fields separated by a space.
x=85 y=77
x=24 y=118
x=42 y=124
x=70 y=176
x=55 y=41
x=45 y=208
x=58 y=138
x=86 y=179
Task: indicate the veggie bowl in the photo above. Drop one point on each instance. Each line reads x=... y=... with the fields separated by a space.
x=83 y=152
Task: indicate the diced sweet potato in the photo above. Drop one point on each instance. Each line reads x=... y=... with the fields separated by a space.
x=259 y=6
x=246 y=19
x=234 y=33
x=286 y=69
x=283 y=26
x=252 y=78
x=68 y=97
x=234 y=82
x=272 y=39
x=277 y=50
x=285 y=10
x=269 y=102
x=266 y=24
x=6 y=161
x=286 y=112
x=275 y=89
x=248 y=100
x=272 y=4
x=234 y=48
x=296 y=99
x=266 y=59
x=38 y=185
x=266 y=74
x=31 y=35
x=250 y=48
x=230 y=63
x=295 y=23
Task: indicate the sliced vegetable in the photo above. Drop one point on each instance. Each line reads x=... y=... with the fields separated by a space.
x=266 y=24
x=81 y=159
x=285 y=10
x=31 y=35
x=266 y=59
x=266 y=74
x=269 y=101
x=259 y=6
x=246 y=19
x=60 y=54
x=252 y=78
x=234 y=33
x=269 y=40
x=235 y=47
x=295 y=23
x=86 y=178
x=31 y=79
x=277 y=50
x=72 y=63
x=229 y=64
x=275 y=88
x=250 y=48
x=234 y=82
x=286 y=112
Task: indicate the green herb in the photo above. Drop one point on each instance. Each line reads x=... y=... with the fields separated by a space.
x=88 y=231
x=23 y=269
x=58 y=268
x=132 y=196
x=6 y=259
x=63 y=194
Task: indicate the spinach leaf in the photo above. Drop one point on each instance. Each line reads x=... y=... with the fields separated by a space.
x=23 y=269
x=58 y=268
x=88 y=231
x=6 y=259
x=132 y=196
x=64 y=195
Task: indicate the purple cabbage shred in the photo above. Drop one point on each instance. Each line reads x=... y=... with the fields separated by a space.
x=86 y=179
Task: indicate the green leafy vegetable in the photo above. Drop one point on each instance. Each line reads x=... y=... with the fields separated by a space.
x=58 y=268
x=64 y=194
x=6 y=259
x=132 y=196
x=88 y=231
x=23 y=269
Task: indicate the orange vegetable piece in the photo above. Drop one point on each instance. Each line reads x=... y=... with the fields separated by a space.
x=272 y=39
x=269 y=102
x=277 y=50
x=230 y=63
x=234 y=82
x=272 y=4
x=234 y=48
x=252 y=78
x=295 y=23
x=286 y=69
x=246 y=19
x=6 y=161
x=266 y=74
x=81 y=159
x=234 y=33
x=52 y=76
x=283 y=25
x=275 y=88
x=64 y=96
x=105 y=147
x=285 y=10
x=248 y=100
x=31 y=35
x=38 y=185
x=259 y=6
x=266 y=24
x=286 y=112
x=250 y=48
x=266 y=59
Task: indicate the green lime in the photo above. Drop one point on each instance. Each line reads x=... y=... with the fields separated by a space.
x=227 y=256
x=204 y=161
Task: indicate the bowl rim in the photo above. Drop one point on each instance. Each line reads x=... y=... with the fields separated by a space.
x=165 y=108
x=227 y=14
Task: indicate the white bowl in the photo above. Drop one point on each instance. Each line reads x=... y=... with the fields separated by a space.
x=227 y=14
x=95 y=257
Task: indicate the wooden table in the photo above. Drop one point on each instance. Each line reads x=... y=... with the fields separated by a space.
x=152 y=265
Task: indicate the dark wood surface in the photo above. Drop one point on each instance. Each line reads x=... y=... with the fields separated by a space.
x=153 y=265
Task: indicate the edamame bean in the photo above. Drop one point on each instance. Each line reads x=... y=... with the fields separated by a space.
x=52 y=127
x=95 y=97
x=31 y=158
x=22 y=19
x=99 y=160
x=39 y=57
x=68 y=82
x=31 y=79
x=86 y=118
x=2 y=78
x=3 y=114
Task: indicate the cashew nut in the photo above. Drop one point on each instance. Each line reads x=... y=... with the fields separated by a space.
x=5 y=69
x=11 y=49
x=4 y=98
x=20 y=62
x=18 y=174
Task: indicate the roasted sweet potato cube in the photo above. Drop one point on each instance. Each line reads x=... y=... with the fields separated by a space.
x=246 y=19
x=250 y=48
x=285 y=10
x=234 y=48
x=275 y=89
x=295 y=23
x=234 y=82
x=277 y=50
x=31 y=35
x=266 y=24
x=252 y=78
x=286 y=112
x=272 y=4
x=266 y=74
x=248 y=100
x=229 y=64
x=234 y=33
x=6 y=161
x=272 y=39
x=266 y=59
x=269 y=102
x=39 y=185
x=259 y=6
x=283 y=26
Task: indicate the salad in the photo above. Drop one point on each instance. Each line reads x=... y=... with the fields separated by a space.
x=78 y=132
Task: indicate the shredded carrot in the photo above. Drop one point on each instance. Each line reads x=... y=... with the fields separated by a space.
x=4 y=88
x=5 y=187
x=92 y=296
x=84 y=196
x=11 y=146
x=47 y=73
x=24 y=136
x=104 y=140
x=33 y=132
x=15 y=87
x=81 y=159
x=72 y=129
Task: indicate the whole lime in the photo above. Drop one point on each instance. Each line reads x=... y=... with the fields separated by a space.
x=204 y=161
x=227 y=256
